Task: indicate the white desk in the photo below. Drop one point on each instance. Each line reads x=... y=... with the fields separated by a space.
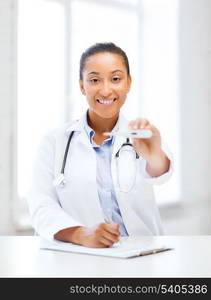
x=21 y=257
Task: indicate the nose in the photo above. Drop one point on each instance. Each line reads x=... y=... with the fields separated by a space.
x=105 y=89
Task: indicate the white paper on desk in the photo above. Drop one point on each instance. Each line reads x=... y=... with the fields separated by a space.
x=123 y=250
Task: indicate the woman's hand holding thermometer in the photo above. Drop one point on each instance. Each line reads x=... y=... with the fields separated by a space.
x=150 y=149
x=146 y=141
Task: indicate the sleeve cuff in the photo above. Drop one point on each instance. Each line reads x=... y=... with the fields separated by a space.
x=164 y=177
x=49 y=230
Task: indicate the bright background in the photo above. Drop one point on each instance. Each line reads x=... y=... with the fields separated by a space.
x=169 y=56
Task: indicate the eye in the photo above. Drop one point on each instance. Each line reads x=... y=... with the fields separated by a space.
x=94 y=80
x=116 y=79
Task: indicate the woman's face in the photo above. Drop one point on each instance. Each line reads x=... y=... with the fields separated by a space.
x=105 y=83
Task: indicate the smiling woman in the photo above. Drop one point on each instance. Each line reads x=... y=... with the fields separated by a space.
x=77 y=210
x=105 y=80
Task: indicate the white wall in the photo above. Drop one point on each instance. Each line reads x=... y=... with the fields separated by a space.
x=195 y=85
x=194 y=215
x=7 y=106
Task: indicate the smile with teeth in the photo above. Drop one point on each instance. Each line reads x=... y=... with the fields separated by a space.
x=106 y=101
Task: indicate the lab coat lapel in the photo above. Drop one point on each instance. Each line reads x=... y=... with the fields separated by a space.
x=119 y=140
x=76 y=125
x=86 y=157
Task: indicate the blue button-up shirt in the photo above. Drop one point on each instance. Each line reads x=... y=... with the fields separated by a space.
x=105 y=186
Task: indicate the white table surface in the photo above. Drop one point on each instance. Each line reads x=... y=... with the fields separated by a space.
x=21 y=256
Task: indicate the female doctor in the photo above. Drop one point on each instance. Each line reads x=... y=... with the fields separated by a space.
x=88 y=188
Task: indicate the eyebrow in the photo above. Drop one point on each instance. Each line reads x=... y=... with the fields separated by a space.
x=116 y=71
x=97 y=73
x=93 y=72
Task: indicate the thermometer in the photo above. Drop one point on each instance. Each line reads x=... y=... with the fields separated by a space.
x=139 y=133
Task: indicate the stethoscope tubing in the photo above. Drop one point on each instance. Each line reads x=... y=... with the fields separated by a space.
x=62 y=181
x=66 y=152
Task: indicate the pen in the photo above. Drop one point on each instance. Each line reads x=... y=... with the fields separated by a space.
x=108 y=220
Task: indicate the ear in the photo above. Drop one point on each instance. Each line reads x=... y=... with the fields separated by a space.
x=82 y=87
x=129 y=81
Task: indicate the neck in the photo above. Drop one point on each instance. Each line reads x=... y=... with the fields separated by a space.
x=99 y=124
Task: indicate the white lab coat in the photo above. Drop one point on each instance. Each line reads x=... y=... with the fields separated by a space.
x=77 y=203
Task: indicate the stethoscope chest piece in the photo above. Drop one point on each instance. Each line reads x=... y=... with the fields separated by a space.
x=59 y=181
x=126 y=167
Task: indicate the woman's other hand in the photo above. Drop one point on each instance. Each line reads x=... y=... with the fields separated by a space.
x=102 y=236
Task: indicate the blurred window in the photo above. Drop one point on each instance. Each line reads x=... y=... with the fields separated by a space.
x=52 y=34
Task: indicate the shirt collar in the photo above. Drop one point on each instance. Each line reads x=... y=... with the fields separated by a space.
x=77 y=125
x=90 y=132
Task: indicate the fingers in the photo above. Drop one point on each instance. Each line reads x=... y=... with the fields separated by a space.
x=112 y=228
x=107 y=234
x=106 y=242
x=139 y=124
x=102 y=235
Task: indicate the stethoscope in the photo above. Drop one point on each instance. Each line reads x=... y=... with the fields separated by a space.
x=60 y=180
